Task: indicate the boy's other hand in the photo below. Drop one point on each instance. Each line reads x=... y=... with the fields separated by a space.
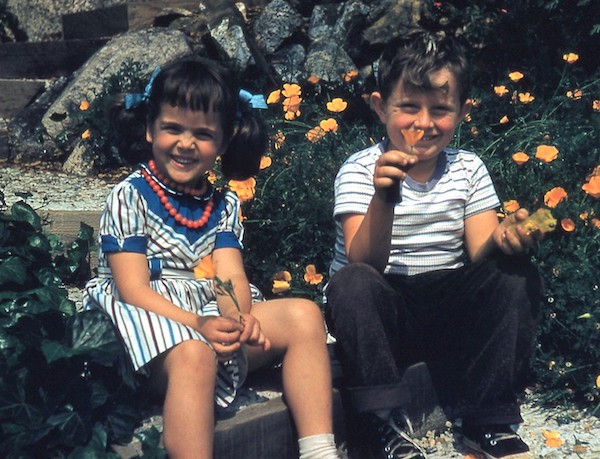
x=511 y=237
x=390 y=169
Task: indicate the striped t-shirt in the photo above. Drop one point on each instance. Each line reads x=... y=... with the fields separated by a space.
x=428 y=232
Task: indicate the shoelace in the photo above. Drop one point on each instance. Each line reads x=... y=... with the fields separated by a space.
x=401 y=438
x=494 y=438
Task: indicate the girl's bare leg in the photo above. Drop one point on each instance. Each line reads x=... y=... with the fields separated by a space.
x=296 y=330
x=186 y=375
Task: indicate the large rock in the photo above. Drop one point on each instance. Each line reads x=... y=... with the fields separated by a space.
x=149 y=47
x=276 y=23
x=41 y=20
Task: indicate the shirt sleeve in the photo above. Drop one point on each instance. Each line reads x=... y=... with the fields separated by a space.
x=123 y=222
x=482 y=195
x=230 y=231
x=353 y=189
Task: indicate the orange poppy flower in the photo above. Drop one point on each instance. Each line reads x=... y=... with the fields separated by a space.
x=412 y=136
x=337 y=105
x=311 y=276
x=329 y=125
x=265 y=161
x=292 y=103
x=291 y=115
x=552 y=439
x=500 y=90
x=596 y=105
x=349 y=76
x=546 y=153
x=553 y=197
x=515 y=76
x=315 y=134
x=570 y=57
x=84 y=105
x=575 y=94
x=243 y=188
x=567 y=225
x=313 y=79
x=205 y=269
x=511 y=206
x=592 y=187
x=504 y=120
x=291 y=90
x=86 y=134
x=278 y=139
x=281 y=282
x=598 y=381
x=520 y=157
x=596 y=222
x=274 y=97
x=526 y=98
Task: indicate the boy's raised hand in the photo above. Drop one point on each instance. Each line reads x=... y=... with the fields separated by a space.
x=390 y=169
x=512 y=237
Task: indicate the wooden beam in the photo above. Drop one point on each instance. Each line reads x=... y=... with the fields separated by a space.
x=141 y=14
x=17 y=94
x=103 y=22
x=36 y=60
x=3 y=145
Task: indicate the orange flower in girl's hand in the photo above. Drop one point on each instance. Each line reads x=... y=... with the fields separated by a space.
x=412 y=136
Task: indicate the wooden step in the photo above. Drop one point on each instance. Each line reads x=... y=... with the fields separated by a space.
x=45 y=60
x=15 y=95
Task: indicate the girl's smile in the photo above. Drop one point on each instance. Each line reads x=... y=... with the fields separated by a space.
x=185 y=143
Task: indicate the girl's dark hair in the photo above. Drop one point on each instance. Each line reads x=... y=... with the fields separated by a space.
x=413 y=57
x=197 y=84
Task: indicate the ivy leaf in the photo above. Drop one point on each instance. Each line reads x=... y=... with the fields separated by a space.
x=12 y=270
x=23 y=212
x=93 y=333
x=70 y=425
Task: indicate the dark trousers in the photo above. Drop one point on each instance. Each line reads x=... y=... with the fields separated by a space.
x=474 y=327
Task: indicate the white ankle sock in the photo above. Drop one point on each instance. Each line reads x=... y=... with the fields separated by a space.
x=321 y=446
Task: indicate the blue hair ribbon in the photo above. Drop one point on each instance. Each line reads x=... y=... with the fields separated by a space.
x=135 y=99
x=247 y=99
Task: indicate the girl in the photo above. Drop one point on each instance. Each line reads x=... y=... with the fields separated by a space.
x=188 y=334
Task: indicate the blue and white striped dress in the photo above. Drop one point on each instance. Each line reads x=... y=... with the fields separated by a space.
x=134 y=220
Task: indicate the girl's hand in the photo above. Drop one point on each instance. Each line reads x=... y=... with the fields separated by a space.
x=253 y=334
x=511 y=237
x=390 y=169
x=223 y=334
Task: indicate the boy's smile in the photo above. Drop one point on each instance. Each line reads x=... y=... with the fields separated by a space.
x=436 y=111
x=185 y=143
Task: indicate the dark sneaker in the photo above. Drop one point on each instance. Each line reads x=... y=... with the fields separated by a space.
x=495 y=442
x=390 y=439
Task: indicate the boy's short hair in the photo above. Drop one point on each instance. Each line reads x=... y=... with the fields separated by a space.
x=412 y=58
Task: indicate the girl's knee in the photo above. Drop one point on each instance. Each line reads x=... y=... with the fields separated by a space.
x=191 y=356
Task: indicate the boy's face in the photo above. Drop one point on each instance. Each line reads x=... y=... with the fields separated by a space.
x=436 y=111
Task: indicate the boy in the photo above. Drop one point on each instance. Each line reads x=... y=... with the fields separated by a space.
x=423 y=269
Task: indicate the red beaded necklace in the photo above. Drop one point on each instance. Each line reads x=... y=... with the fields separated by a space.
x=191 y=224
x=174 y=186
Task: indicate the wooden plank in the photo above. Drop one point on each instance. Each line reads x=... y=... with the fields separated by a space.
x=17 y=94
x=4 y=152
x=141 y=14
x=66 y=223
x=102 y=22
x=46 y=59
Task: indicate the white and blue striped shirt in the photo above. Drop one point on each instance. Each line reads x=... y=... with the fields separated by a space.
x=428 y=231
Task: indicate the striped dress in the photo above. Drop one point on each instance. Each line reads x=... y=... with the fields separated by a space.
x=134 y=220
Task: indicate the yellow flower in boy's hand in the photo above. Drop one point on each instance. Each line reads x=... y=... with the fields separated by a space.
x=337 y=105
x=281 y=282
x=311 y=276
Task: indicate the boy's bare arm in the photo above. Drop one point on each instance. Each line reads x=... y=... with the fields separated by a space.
x=368 y=237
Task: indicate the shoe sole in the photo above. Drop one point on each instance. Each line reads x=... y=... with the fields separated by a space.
x=475 y=447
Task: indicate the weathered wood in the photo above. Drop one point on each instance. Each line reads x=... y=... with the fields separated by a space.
x=47 y=59
x=66 y=223
x=141 y=14
x=102 y=22
x=17 y=94
x=4 y=152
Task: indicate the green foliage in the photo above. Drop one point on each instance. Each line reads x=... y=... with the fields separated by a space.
x=64 y=387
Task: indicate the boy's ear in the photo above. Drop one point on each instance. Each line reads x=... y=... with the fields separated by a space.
x=149 y=136
x=378 y=104
x=466 y=108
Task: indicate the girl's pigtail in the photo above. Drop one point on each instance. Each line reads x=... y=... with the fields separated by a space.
x=128 y=130
x=241 y=159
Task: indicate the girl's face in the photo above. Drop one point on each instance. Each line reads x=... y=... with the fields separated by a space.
x=185 y=143
x=437 y=112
